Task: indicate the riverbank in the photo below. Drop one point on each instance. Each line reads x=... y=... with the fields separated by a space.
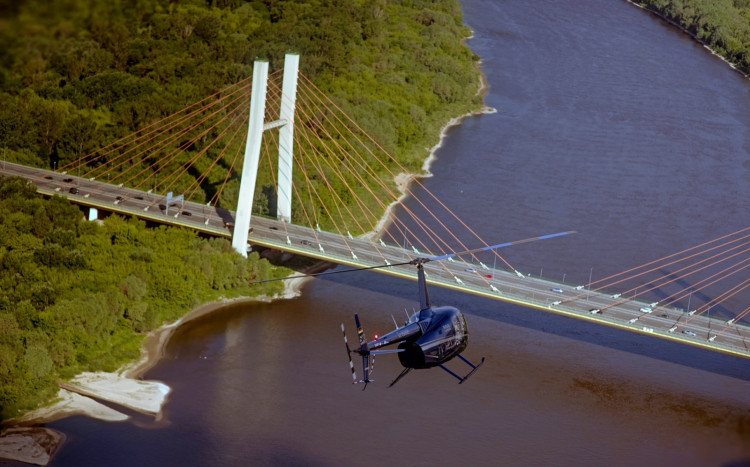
x=682 y=28
x=124 y=387
x=27 y=442
x=404 y=179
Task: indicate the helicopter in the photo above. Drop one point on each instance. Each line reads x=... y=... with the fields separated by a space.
x=430 y=337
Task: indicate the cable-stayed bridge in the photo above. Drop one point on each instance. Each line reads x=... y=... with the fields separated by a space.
x=326 y=200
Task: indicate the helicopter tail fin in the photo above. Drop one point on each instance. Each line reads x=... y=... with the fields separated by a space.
x=367 y=360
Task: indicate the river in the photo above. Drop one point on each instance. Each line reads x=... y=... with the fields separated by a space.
x=608 y=122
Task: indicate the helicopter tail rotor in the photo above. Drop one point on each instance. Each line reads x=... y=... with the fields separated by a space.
x=349 y=354
x=368 y=359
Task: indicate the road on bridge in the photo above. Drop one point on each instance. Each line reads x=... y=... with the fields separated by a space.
x=461 y=274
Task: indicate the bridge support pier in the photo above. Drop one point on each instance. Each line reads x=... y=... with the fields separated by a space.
x=252 y=156
x=252 y=147
x=286 y=137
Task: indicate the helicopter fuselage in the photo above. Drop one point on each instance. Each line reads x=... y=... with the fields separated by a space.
x=432 y=337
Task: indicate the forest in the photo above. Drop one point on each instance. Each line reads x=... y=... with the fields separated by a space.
x=76 y=75
x=723 y=25
x=77 y=295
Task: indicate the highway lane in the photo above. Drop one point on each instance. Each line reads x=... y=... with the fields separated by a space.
x=460 y=274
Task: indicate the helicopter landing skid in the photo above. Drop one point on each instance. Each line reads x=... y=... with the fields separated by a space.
x=401 y=375
x=474 y=368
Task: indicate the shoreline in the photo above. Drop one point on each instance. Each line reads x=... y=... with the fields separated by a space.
x=125 y=386
x=682 y=28
x=404 y=179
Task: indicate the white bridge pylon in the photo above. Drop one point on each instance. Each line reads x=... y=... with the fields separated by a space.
x=255 y=130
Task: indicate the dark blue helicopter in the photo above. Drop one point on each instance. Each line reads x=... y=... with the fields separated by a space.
x=430 y=337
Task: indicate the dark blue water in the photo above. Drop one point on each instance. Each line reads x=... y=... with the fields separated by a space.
x=609 y=122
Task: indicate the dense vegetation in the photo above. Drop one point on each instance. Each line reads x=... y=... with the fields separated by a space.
x=75 y=75
x=76 y=295
x=723 y=25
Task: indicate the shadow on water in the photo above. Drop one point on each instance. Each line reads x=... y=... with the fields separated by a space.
x=538 y=320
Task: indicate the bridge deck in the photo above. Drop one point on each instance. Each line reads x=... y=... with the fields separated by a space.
x=663 y=322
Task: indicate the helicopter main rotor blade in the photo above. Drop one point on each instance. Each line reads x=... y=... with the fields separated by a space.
x=499 y=245
x=325 y=273
x=419 y=260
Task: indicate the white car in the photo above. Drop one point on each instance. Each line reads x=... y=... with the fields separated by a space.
x=689 y=332
x=646 y=309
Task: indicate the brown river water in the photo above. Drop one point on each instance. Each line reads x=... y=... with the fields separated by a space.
x=610 y=123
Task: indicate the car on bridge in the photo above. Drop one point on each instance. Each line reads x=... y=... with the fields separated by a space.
x=689 y=332
x=557 y=289
x=74 y=191
x=646 y=309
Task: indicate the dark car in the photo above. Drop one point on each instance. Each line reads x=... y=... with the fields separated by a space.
x=306 y=242
x=74 y=190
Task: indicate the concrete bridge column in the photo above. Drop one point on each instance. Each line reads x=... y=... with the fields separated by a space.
x=286 y=137
x=252 y=156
